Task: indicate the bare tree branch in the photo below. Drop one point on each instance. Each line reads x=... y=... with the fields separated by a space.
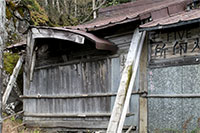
x=91 y=13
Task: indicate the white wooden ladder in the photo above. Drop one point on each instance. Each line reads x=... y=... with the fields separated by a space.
x=126 y=83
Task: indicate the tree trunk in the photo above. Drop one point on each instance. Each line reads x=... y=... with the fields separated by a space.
x=94 y=6
x=53 y=3
x=58 y=6
x=2 y=40
x=75 y=2
x=46 y=3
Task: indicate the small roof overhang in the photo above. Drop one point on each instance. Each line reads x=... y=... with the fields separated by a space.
x=76 y=36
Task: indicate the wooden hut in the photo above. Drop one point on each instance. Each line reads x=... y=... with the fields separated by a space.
x=72 y=74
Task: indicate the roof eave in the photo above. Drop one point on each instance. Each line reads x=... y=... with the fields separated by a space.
x=159 y=27
x=101 y=44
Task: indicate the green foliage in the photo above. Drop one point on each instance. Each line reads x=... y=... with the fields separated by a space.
x=8 y=14
x=197 y=130
x=36 y=131
x=38 y=14
x=10 y=60
x=12 y=118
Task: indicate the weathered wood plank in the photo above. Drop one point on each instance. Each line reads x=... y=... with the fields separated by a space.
x=143 y=87
x=68 y=124
x=75 y=115
x=89 y=124
x=8 y=117
x=77 y=62
x=12 y=80
x=143 y=115
x=124 y=83
x=39 y=96
x=115 y=72
x=32 y=65
x=131 y=84
x=129 y=129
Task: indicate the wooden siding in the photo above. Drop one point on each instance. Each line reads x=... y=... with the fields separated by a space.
x=94 y=75
x=122 y=41
x=82 y=78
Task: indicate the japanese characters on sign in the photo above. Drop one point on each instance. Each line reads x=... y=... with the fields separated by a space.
x=175 y=44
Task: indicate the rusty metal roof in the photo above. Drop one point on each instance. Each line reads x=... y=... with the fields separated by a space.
x=101 y=44
x=178 y=19
x=137 y=10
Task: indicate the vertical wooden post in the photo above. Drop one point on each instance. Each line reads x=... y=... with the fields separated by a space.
x=143 y=88
x=143 y=115
x=2 y=41
x=33 y=65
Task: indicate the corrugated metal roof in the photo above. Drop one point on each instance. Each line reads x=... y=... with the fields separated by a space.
x=180 y=18
x=138 y=10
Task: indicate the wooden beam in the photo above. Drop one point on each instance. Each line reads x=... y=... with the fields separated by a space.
x=143 y=115
x=131 y=84
x=143 y=87
x=124 y=83
x=71 y=115
x=75 y=124
x=32 y=65
x=12 y=80
x=77 y=61
x=86 y=124
x=173 y=96
x=73 y=96
x=8 y=117
x=129 y=130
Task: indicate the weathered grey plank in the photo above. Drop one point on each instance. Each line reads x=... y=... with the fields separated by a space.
x=69 y=124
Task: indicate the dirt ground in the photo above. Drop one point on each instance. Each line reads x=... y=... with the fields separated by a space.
x=16 y=126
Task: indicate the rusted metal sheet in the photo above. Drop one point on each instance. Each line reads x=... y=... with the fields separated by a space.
x=101 y=44
x=159 y=13
x=63 y=33
x=176 y=8
x=181 y=18
x=131 y=12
